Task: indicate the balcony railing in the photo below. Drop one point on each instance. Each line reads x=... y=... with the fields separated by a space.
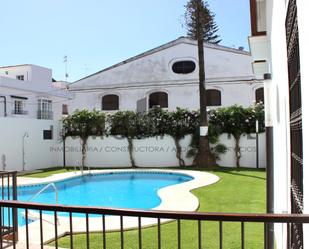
x=19 y=112
x=8 y=216
x=55 y=221
x=135 y=218
x=45 y=114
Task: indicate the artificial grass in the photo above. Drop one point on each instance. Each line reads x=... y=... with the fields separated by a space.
x=238 y=191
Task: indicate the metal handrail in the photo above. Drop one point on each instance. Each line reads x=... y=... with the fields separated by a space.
x=8 y=180
x=43 y=189
x=227 y=217
x=81 y=168
x=45 y=114
x=159 y=215
x=19 y=112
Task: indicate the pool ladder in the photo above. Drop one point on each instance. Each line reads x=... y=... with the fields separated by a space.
x=40 y=192
x=43 y=189
x=81 y=168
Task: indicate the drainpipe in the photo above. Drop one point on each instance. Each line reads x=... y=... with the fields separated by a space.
x=269 y=233
x=4 y=99
x=3 y=160
x=257 y=142
x=26 y=135
x=63 y=135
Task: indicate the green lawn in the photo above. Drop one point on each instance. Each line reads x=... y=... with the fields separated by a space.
x=48 y=172
x=238 y=191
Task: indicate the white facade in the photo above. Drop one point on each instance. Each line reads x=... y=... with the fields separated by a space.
x=27 y=91
x=227 y=70
x=269 y=52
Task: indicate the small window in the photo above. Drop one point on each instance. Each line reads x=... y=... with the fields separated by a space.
x=47 y=135
x=19 y=107
x=158 y=99
x=65 y=110
x=110 y=102
x=20 y=77
x=19 y=104
x=183 y=67
x=259 y=95
x=213 y=97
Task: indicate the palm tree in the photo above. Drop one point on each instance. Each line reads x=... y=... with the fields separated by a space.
x=202 y=27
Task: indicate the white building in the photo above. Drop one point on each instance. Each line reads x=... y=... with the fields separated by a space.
x=279 y=46
x=29 y=91
x=168 y=76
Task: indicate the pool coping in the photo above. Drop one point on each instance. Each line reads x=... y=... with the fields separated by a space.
x=176 y=197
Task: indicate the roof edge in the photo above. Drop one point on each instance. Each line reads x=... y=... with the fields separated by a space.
x=19 y=65
x=181 y=39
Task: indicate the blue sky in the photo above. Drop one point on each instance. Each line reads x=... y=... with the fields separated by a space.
x=95 y=34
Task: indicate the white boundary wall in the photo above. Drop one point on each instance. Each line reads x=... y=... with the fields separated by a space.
x=248 y=151
x=37 y=150
x=104 y=152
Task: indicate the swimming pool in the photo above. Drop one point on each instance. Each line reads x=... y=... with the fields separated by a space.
x=118 y=190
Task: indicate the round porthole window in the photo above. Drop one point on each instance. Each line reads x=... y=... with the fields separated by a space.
x=183 y=67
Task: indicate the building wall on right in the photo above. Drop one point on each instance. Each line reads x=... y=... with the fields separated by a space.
x=303 y=22
x=277 y=61
x=271 y=49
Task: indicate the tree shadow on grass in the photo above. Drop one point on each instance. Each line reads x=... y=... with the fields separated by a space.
x=237 y=171
x=227 y=170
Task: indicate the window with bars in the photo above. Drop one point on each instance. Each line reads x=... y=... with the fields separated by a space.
x=110 y=102
x=19 y=106
x=45 y=105
x=45 y=109
x=213 y=97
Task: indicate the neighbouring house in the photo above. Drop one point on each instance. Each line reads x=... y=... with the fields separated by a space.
x=167 y=76
x=29 y=91
x=279 y=47
x=31 y=105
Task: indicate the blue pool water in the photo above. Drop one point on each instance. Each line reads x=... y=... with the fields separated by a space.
x=118 y=190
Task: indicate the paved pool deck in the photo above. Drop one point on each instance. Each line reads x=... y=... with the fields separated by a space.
x=173 y=198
